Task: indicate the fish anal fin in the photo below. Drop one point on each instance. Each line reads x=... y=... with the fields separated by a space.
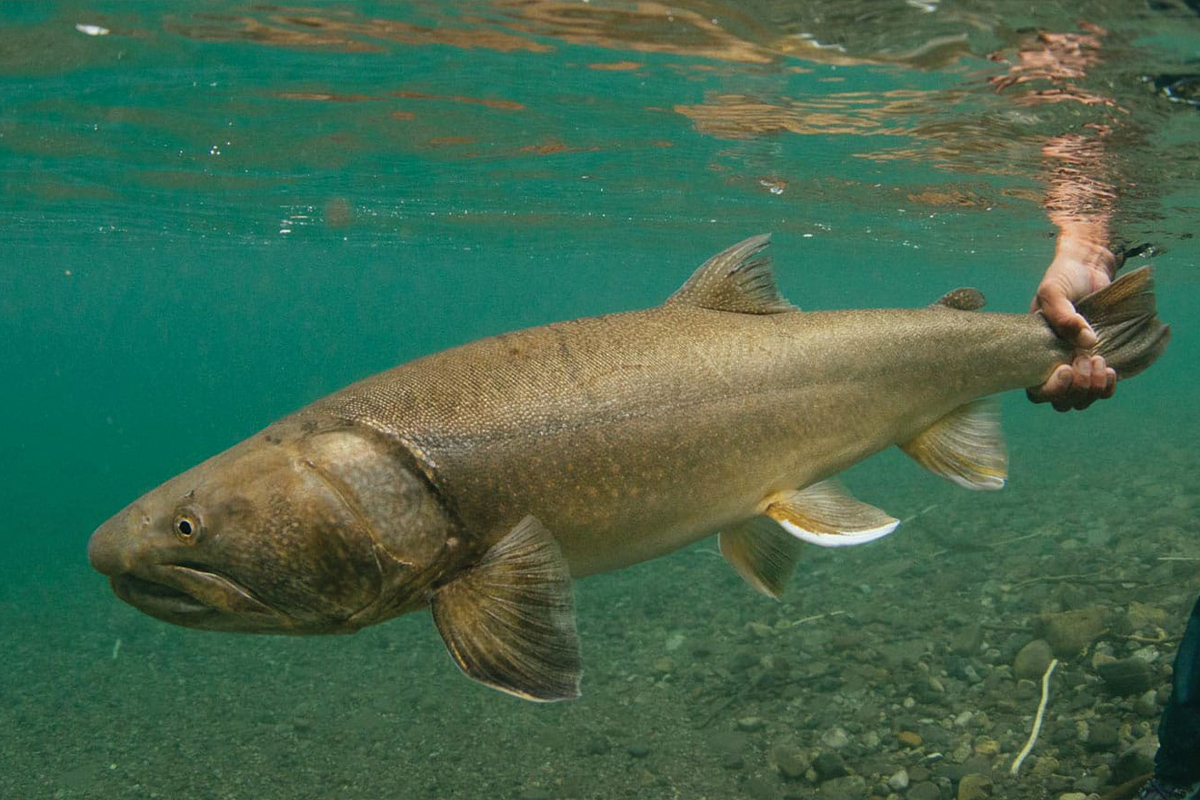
x=509 y=621
x=762 y=552
x=825 y=514
x=964 y=298
x=737 y=279
x=965 y=446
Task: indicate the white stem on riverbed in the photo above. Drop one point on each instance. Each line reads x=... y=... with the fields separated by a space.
x=1037 y=720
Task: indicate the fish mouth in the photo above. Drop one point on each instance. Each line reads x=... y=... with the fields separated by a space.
x=187 y=594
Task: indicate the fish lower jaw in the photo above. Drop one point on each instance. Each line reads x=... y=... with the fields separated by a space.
x=157 y=599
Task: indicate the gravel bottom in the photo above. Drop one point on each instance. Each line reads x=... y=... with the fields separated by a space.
x=910 y=668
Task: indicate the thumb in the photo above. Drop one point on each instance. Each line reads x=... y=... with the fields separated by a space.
x=1067 y=322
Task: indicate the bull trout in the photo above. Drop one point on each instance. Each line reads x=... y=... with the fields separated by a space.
x=480 y=480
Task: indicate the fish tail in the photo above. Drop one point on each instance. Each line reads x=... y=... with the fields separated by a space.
x=1125 y=320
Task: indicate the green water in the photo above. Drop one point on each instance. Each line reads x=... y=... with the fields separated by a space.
x=215 y=213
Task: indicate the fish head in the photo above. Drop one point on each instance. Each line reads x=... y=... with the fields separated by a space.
x=287 y=532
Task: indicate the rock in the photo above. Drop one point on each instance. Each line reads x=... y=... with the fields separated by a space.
x=898 y=782
x=835 y=738
x=974 y=787
x=828 y=766
x=1127 y=676
x=848 y=787
x=1132 y=763
x=760 y=629
x=1072 y=796
x=909 y=738
x=968 y=640
x=664 y=665
x=1140 y=615
x=751 y=724
x=1032 y=660
x=791 y=761
x=987 y=746
x=1045 y=766
x=1069 y=632
x=1103 y=737
x=1147 y=705
x=638 y=750
x=924 y=791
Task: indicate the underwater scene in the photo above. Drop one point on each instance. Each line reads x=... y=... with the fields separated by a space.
x=218 y=213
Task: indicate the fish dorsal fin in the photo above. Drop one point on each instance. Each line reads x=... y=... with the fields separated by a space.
x=763 y=553
x=509 y=621
x=738 y=279
x=965 y=446
x=825 y=514
x=964 y=298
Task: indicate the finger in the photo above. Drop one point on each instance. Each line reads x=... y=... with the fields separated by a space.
x=1110 y=384
x=1081 y=382
x=1054 y=387
x=1099 y=377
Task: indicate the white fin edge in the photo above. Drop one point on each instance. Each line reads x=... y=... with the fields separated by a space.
x=844 y=539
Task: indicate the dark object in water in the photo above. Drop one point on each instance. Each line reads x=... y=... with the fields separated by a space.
x=1178 y=88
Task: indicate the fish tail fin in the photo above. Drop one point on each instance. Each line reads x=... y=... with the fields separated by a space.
x=1125 y=320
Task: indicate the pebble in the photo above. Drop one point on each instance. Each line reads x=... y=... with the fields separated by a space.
x=1147 y=705
x=924 y=791
x=835 y=738
x=751 y=724
x=1127 y=676
x=974 y=787
x=898 y=781
x=1069 y=632
x=847 y=787
x=1072 y=796
x=968 y=640
x=1103 y=737
x=987 y=746
x=1032 y=660
x=909 y=738
x=828 y=766
x=791 y=761
x=1132 y=763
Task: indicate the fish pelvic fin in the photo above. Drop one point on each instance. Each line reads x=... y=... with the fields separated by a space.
x=509 y=621
x=738 y=279
x=1125 y=319
x=762 y=552
x=965 y=446
x=825 y=514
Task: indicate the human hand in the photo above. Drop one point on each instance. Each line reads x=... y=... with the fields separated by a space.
x=1079 y=268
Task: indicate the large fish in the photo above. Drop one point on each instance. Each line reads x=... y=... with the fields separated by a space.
x=482 y=479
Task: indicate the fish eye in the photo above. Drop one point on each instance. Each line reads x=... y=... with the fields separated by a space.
x=187 y=527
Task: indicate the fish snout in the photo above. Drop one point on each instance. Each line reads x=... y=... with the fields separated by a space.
x=112 y=547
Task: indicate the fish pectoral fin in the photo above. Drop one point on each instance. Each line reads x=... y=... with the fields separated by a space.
x=509 y=621
x=737 y=279
x=965 y=446
x=825 y=514
x=762 y=552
